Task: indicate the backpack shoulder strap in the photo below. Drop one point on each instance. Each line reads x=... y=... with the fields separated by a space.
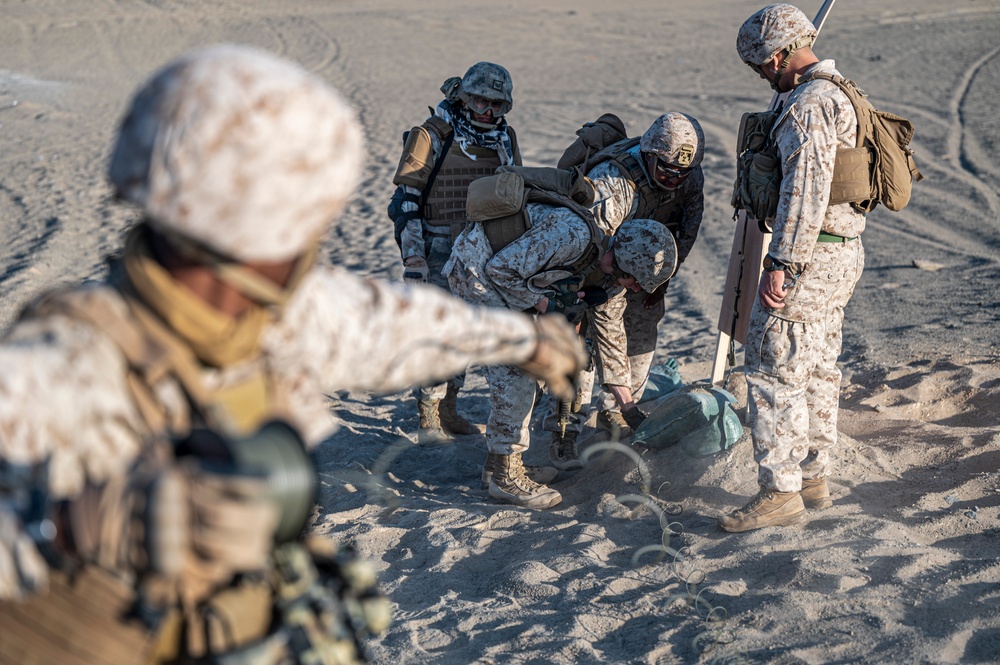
x=858 y=99
x=613 y=151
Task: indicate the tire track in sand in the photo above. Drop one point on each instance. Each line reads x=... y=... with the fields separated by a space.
x=963 y=149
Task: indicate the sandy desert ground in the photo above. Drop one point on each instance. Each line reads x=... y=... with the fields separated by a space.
x=905 y=568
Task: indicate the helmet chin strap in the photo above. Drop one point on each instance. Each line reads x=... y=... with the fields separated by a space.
x=802 y=42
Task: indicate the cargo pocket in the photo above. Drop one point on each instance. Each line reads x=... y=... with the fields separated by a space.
x=778 y=349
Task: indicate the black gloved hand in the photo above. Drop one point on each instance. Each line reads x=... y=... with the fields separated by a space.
x=594 y=296
x=415 y=270
x=573 y=306
x=634 y=417
x=573 y=313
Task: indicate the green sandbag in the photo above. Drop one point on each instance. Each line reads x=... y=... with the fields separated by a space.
x=663 y=379
x=700 y=418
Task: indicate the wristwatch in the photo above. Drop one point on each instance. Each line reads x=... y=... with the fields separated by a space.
x=771 y=264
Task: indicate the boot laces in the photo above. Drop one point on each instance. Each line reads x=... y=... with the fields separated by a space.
x=762 y=496
x=518 y=478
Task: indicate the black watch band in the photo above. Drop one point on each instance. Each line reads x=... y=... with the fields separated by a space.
x=771 y=264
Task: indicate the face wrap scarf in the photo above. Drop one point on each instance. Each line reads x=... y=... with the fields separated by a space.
x=497 y=140
x=216 y=339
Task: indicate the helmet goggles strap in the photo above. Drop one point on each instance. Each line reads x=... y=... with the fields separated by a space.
x=662 y=172
x=482 y=105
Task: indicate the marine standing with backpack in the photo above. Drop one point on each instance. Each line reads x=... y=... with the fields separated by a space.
x=814 y=261
x=466 y=138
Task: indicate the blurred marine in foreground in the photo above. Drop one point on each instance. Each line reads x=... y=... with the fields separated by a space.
x=154 y=480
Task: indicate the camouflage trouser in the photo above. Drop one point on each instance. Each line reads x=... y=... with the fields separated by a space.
x=639 y=345
x=512 y=398
x=610 y=347
x=437 y=251
x=512 y=391
x=792 y=375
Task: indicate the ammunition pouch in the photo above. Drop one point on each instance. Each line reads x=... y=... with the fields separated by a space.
x=232 y=619
x=852 y=176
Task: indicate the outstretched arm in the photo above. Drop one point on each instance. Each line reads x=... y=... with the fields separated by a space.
x=359 y=333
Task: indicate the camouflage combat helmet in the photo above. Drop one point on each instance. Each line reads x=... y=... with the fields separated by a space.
x=239 y=151
x=675 y=138
x=645 y=249
x=772 y=30
x=487 y=81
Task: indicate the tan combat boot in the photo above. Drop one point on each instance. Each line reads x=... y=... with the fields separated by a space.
x=451 y=421
x=614 y=424
x=430 y=422
x=543 y=475
x=509 y=483
x=815 y=494
x=563 y=453
x=768 y=508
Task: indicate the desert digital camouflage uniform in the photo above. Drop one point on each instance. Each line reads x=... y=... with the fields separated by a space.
x=517 y=277
x=617 y=201
x=338 y=332
x=474 y=151
x=791 y=353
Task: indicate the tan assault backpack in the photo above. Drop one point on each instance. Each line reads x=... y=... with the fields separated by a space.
x=879 y=169
x=499 y=200
x=591 y=139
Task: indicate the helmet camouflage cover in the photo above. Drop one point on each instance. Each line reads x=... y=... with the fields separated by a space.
x=240 y=151
x=676 y=138
x=645 y=249
x=771 y=30
x=485 y=79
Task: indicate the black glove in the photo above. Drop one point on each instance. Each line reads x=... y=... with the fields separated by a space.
x=573 y=307
x=634 y=417
x=415 y=270
x=594 y=296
